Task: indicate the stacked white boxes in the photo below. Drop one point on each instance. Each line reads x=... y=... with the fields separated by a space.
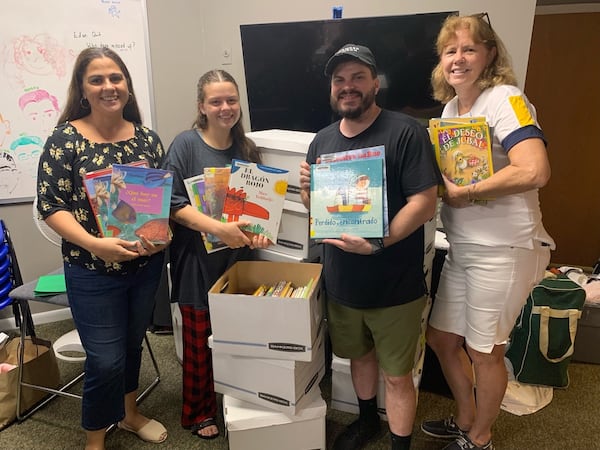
x=286 y=149
x=268 y=355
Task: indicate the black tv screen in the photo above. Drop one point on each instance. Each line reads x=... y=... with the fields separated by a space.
x=284 y=64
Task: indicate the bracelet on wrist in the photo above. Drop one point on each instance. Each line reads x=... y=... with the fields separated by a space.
x=376 y=246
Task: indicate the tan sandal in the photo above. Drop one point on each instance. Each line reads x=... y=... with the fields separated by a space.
x=153 y=431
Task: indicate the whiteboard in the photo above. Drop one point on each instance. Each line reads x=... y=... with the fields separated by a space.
x=39 y=42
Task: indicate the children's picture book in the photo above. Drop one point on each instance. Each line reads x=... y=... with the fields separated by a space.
x=347 y=197
x=256 y=193
x=196 y=191
x=97 y=189
x=215 y=189
x=140 y=200
x=365 y=153
x=463 y=148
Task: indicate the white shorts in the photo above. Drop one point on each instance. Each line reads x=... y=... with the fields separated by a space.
x=482 y=290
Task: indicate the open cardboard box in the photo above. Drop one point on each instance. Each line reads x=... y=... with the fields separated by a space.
x=266 y=327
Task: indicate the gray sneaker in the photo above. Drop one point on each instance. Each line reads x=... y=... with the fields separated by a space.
x=465 y=443
x=443 y=429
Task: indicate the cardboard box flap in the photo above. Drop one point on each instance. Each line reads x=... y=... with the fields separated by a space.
x=241 y=415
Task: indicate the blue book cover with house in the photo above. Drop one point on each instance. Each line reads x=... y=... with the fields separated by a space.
x=347 y=197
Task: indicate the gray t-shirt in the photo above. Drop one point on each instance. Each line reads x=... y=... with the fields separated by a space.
x=193 y=271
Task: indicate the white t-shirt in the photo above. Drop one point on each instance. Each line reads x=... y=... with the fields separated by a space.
x=512 y=220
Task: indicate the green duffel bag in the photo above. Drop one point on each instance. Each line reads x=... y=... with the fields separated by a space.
x=543 y=339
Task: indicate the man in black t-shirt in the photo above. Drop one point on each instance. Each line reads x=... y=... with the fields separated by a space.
x=376 y=287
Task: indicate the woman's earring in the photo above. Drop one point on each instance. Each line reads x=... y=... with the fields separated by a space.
x=84 y=103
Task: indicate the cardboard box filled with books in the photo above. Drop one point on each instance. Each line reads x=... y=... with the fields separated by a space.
x=267 y=326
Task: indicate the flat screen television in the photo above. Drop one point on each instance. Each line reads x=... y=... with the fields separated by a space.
x=284 y=67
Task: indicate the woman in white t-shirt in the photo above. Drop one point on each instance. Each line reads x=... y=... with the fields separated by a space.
x=498 y=246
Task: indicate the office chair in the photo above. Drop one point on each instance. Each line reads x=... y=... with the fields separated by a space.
x=68 y=342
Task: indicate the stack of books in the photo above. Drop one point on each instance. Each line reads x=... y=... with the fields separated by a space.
x=348 y=194
x=243 y=192
x=131 y=200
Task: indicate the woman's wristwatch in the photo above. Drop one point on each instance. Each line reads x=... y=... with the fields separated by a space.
x=376 y=245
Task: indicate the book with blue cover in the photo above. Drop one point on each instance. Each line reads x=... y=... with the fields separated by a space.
x=377 y=152
x=140 y=203
x=347 y=197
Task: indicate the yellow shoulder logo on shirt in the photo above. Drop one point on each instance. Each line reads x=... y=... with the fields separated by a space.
x=521 y=111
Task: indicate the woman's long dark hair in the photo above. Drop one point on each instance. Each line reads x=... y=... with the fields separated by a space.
x=74 y=109
x=249 y=150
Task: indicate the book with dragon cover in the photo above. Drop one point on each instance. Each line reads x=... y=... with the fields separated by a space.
x=256 y=193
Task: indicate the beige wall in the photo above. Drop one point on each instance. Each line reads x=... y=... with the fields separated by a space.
x=188 y=37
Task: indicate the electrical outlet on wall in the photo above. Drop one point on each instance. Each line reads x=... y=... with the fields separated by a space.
x=226 y=56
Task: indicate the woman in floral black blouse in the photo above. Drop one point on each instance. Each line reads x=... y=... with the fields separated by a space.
x=111 y=282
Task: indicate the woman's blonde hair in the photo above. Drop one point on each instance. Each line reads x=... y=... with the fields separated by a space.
x=499 y=71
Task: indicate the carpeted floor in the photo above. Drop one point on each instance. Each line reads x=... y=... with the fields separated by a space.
x=569 y=421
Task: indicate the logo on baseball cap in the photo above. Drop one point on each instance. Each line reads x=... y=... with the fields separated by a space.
x=349 y=52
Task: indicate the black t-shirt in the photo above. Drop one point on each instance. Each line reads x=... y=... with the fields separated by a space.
x=394 y=276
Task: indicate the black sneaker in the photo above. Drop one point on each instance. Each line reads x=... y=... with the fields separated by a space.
x=465 y=443
x=443 y=429
x=356 y=435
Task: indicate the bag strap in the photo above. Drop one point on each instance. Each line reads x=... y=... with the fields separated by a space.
x=546 y=313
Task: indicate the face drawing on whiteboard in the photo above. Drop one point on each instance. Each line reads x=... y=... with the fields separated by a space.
x=26 y=150
x=34 y=56
x=41 y=110
x=9 y=174
x=4 y=130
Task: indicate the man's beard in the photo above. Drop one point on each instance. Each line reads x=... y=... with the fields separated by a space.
x=354 y=113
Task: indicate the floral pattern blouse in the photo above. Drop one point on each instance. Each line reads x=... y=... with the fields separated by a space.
x=66 y=158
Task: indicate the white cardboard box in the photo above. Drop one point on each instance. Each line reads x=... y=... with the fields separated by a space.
x=284 y=149
x=266 y=327
x=266 y=254
x=254 y=427
x=282 y=385
x=292 y=238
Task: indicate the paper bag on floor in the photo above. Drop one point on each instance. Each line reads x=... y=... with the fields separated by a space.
x=40 y=368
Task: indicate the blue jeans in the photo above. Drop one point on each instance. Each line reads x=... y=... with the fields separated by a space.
x=111 y=313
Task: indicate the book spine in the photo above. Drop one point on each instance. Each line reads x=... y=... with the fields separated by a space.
x=308 y=287
x=279 y=288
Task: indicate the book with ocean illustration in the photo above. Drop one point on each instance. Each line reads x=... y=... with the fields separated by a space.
x=140 y=201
